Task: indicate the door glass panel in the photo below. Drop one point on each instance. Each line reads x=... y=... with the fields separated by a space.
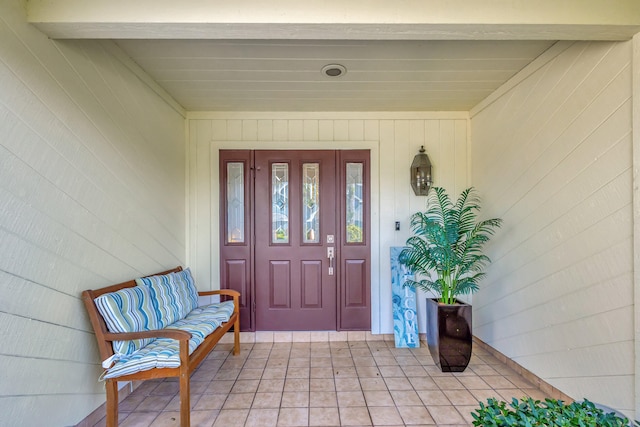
x=280 y=203
x=354 y=203
x=235 y=202
x=311 y=202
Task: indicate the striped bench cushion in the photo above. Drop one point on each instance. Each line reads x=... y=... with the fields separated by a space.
x=128 y=310
x=164 y=352
x=174 y=295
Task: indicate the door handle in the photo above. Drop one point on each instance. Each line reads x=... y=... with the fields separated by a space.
x=331 y=255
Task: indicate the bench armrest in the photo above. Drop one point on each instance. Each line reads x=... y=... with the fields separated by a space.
x=229 y=292
x=157 y=333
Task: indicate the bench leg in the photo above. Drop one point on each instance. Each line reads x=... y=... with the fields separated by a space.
x=112 y=402
x=185 y=405
x=236 y=338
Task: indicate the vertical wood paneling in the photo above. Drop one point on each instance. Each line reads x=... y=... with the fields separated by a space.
x=92 y=192
x=393 y=142
x=552 y=158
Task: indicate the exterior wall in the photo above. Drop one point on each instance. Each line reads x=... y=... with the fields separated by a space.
x=393 y=138
x=552 y=156
x=92 y=192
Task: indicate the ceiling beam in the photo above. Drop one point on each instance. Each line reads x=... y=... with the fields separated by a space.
x=338 y=19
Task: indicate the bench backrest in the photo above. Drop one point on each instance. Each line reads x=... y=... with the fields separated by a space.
x=97 y=322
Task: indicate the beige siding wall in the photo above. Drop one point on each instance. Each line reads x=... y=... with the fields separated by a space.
x=552 y=157
x=393 y=138
x=92 y=182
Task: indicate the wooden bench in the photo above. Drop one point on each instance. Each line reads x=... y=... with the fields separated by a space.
x=188 y=362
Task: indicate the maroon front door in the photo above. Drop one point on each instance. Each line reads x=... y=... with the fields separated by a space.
x=295 y=238
x=295 y=275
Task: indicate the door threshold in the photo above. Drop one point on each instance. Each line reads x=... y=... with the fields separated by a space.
x=306 y=336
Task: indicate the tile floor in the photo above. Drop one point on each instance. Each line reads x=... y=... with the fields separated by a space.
x=334 y=383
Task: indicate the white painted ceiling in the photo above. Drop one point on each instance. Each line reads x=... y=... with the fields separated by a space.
x=285 y=75
x=256 y=55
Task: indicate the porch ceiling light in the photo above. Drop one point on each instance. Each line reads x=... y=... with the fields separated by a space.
x=334 y=70
x=421 y=173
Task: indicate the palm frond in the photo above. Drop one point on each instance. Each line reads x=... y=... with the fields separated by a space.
x=447 y=242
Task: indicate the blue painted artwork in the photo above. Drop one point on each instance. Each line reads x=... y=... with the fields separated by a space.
x=405 y=315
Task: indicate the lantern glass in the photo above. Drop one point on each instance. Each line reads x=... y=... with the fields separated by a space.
x=421 y=173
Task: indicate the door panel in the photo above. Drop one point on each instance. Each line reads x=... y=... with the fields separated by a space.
x=236 y=229
x=295 y=211
x=355 y=233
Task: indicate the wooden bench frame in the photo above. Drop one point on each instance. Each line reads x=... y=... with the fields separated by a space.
x=188 y=363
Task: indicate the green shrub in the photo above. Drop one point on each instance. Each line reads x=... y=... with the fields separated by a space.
x=551 y=412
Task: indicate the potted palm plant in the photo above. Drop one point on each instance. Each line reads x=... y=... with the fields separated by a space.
x=445 y=255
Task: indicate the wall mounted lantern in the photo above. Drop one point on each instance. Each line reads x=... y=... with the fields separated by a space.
x=421 y=173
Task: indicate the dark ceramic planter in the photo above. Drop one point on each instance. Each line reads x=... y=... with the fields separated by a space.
x=449 y=335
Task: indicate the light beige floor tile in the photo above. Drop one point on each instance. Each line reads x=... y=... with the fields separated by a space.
x=364 y=361
x=323 y=399
x=131 y=402
x=445 y=415
x=165 y=388
x=231 y=418
x=385 y=416
x=347 y=384
x=238 y=401
x=407 y=361
x=205 y=403
x=391 y=371
x=245 y=386
x=293 y=417
x=274 y=373
x=385 y=361
x=350 y=398
x=296 y=384
x=406 y=398
x=154 y=403
x=262 y=418
x=267 y=400
x=139 y=419
x=433 y=397
x=473 y=382
x=322 y=384
x=340 y=362
x=319 y=336
x=325 y=417
x=321 y=372
x=378 y=398
x=460 y=397
x=482 y=395
x=448 y=383
x=269 y=385
x=320 y=362
x=345 y=372
x=277 y=362
x=299 y=362
x=260 y=351
x=174 y=403
x=398 y=384
x=498 y=382
x=256 y=365
x=219 y=387
x=355 y=416
x=295 y=399
x=297 y=372
x=373 y=384
x=368 y=372
x=416 y=415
